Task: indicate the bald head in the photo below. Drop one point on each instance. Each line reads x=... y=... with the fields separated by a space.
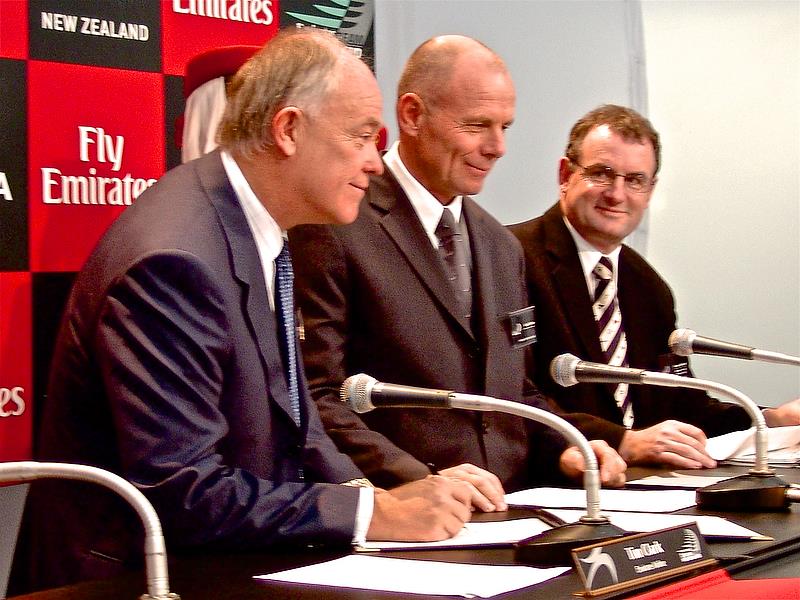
x=431 y=67
x=455 y=102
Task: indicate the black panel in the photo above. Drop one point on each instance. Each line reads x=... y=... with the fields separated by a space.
x=97 y=32
x=50 y=291
x=13 y=166
x=173 y=111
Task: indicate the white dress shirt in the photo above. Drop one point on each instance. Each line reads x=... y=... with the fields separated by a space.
x=428 y=209
x=589 y=256
x=269 y=241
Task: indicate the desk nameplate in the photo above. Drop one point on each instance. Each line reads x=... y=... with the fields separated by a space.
x=642 y=558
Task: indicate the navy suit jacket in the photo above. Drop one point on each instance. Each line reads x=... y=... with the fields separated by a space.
x=565 y=324
x=167 y=371
x=375 y=299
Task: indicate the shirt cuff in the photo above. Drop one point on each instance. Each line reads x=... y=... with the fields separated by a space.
x=366 y=505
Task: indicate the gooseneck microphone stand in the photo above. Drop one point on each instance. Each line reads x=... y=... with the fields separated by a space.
x=154 y=548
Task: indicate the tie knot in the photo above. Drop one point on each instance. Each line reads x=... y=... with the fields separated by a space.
x=283 y=255
x=604 y=269
x=283 y=266
x=447 y=225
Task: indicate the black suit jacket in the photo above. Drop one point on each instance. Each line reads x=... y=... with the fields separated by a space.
x=565 y=323
x=375 y=299
x=167 y=371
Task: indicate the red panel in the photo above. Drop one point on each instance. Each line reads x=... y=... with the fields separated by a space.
x=187 y=31
x=13 y=29
x=15 y=366
x=96 y=141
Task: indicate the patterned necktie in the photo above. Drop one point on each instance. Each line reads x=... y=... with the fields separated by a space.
x=612 y=335
x=453 y=251
x=284 y=309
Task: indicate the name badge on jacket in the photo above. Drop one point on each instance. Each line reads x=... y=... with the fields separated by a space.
x=674 y=364
x=521 y=327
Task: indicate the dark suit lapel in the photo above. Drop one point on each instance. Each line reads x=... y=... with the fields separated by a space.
x=484 y=289
x=402 y=225
x=570 y=284
x=247 y=270
x=634 y=316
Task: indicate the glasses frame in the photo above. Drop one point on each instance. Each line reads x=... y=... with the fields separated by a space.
x=626 y=178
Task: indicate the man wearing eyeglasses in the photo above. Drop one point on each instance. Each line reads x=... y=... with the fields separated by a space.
x=598 y=299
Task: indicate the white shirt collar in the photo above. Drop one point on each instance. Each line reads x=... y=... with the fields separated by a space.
x=428 y=209
x=589 y=255
x=267 y=233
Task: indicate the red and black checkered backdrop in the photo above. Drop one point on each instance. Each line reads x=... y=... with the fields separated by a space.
x=90 y=93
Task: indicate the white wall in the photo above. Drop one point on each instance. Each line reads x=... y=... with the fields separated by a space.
x=541 y=42
x=724 y=79
x=724 y=90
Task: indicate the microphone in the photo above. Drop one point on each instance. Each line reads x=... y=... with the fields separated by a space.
x=684 y=342
x=154 y=548
x=761 y=489
x=567 y=370
x=363 y=393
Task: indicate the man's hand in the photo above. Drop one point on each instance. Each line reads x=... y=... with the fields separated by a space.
x=611 y=465
x=786 y=414
x=487 y=491
x=669 y=443
x=431 y=509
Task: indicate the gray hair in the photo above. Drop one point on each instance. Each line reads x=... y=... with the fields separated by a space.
x=298 y=67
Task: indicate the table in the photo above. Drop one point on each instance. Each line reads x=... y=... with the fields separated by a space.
x=229 y=576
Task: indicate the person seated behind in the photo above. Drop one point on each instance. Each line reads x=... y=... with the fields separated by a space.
x=376 y=298
x=205 y=85
x=606 y=178
x=175 y=365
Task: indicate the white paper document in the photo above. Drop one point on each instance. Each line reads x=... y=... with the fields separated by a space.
x=783 y=445
x=417 y=576
x=678 y=480
x=472 y=534
x=708 y=525
x=652 y=501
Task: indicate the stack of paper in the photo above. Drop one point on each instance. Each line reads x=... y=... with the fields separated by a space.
x=652 y=501
x=472 y=534
x=710 y=526
x=426 y=578
x=738 y=447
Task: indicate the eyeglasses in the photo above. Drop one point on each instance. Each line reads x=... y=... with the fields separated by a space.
x=604 y=176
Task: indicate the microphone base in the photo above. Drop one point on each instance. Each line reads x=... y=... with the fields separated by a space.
x=552 y=548
x=745 y=493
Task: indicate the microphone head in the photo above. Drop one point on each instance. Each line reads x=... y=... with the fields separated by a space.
x=681 y=340
x=562 y=369
x=356 y=390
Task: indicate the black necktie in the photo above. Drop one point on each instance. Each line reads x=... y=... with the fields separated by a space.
x=453 y=250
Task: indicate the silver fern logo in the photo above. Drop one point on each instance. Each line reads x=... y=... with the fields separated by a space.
x=690 y=550
x=596 y=560
x=350 y=19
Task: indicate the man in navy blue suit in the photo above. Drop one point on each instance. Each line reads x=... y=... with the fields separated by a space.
x=170 y=367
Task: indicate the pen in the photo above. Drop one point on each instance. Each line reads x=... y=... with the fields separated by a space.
x=432 y=468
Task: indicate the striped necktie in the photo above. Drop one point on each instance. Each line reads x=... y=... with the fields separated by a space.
x=612 y=335
x=284 y=309
x=452 y=250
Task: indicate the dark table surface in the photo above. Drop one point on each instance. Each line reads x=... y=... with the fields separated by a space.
x=230 y=576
